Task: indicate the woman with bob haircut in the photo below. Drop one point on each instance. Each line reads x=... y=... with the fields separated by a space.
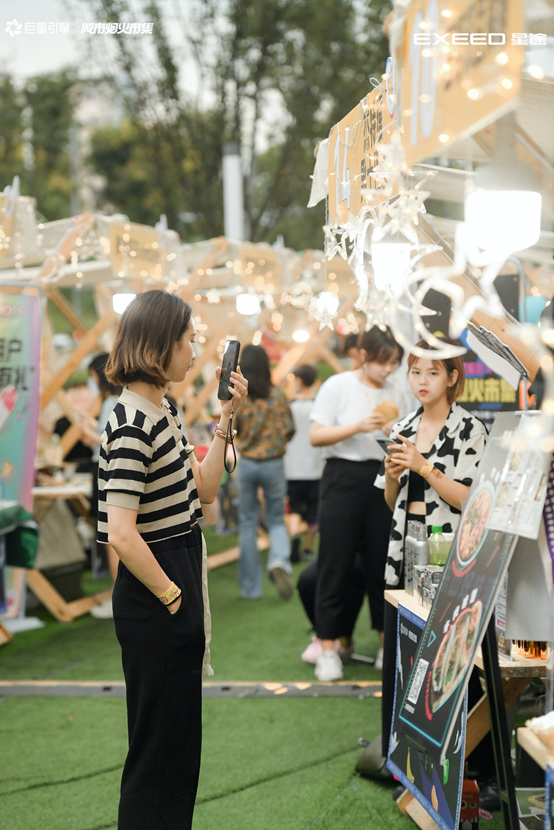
x=150 y=487
x=347 y=417
x=426 y=478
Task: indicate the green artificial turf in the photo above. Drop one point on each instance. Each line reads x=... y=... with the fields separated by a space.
x=284 y=763
x=268 y=764
x=251 y=640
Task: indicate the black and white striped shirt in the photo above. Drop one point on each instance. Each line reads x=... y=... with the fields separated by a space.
x=145 y=466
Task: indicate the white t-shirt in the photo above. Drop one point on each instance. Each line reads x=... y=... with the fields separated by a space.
x=342 y=400
x=103 y=418
x=302 y=461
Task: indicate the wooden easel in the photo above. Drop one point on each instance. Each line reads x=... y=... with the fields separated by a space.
x=5 y=636
x=52 y=600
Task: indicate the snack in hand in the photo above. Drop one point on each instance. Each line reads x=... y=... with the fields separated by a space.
x=388 y=410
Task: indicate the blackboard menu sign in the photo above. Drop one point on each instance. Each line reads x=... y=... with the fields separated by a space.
x=437 y=787
x=462 y=607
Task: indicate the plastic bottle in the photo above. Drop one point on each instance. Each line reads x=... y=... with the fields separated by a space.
x=438 y=547
x=409 y=559
x=421 y=545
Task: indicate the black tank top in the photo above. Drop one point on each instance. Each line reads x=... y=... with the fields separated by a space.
x=416 y=489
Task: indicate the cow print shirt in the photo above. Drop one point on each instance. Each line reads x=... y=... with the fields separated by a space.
x=456 y=453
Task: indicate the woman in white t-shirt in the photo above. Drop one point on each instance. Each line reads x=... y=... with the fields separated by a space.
x=354 y=516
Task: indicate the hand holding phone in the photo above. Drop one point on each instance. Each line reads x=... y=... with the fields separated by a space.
x=388 y=445
x=229 y=364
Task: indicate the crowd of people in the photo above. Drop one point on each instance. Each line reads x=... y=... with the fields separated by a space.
x=341 y=468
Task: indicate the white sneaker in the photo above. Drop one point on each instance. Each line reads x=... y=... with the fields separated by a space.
x=328 y=667
x=104 y=611
x=379 y=660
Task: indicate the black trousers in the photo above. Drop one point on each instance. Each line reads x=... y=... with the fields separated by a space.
x=354 y=519
x=307 y=588
x=162 y=662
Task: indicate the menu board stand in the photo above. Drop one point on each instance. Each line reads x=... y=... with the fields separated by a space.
x=499 y=729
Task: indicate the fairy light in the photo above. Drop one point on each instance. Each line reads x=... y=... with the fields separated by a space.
x=536 y=72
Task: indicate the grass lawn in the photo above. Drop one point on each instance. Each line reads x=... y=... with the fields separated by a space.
x=268 y=764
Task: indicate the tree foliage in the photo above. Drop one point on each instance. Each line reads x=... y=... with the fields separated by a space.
x=11 y=132
x=274 y=76
x=51 y=101
x=310 y=61
x=35 y=124
x=280 y=74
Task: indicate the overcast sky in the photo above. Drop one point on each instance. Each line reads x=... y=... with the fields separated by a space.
x=26 y=54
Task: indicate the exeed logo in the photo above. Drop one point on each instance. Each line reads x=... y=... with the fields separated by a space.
x=461 y=38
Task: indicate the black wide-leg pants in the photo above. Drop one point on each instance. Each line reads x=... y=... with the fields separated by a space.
x=162 y=662
x=354 y=519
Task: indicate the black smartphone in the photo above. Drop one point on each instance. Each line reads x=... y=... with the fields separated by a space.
x=387 y=445
x=229 y=364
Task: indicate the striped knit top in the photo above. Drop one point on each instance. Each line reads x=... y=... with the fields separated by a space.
x=144 y=465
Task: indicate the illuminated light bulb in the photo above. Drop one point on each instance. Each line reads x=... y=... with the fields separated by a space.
x=507 y=83
x=502 y=58
x=248 y=304
x=546 y=362
x=548 y=406
x=446 y=67
x=474 y=94
x=444 y=137
x=503 y=213
x=427 y=53
x=425 y=99
x=447 y=13
x=391 y=262
x=534 y=430
x=536 y=72
x=327 y=302
x=300 y=336
x=121 y=301
x=445 y=49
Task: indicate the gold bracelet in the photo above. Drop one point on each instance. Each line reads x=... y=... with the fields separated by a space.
x=170 y=595
x=426 y=469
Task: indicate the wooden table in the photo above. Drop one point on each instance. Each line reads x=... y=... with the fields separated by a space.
x=76 y=492
x=534 y=747
x=515 y=672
